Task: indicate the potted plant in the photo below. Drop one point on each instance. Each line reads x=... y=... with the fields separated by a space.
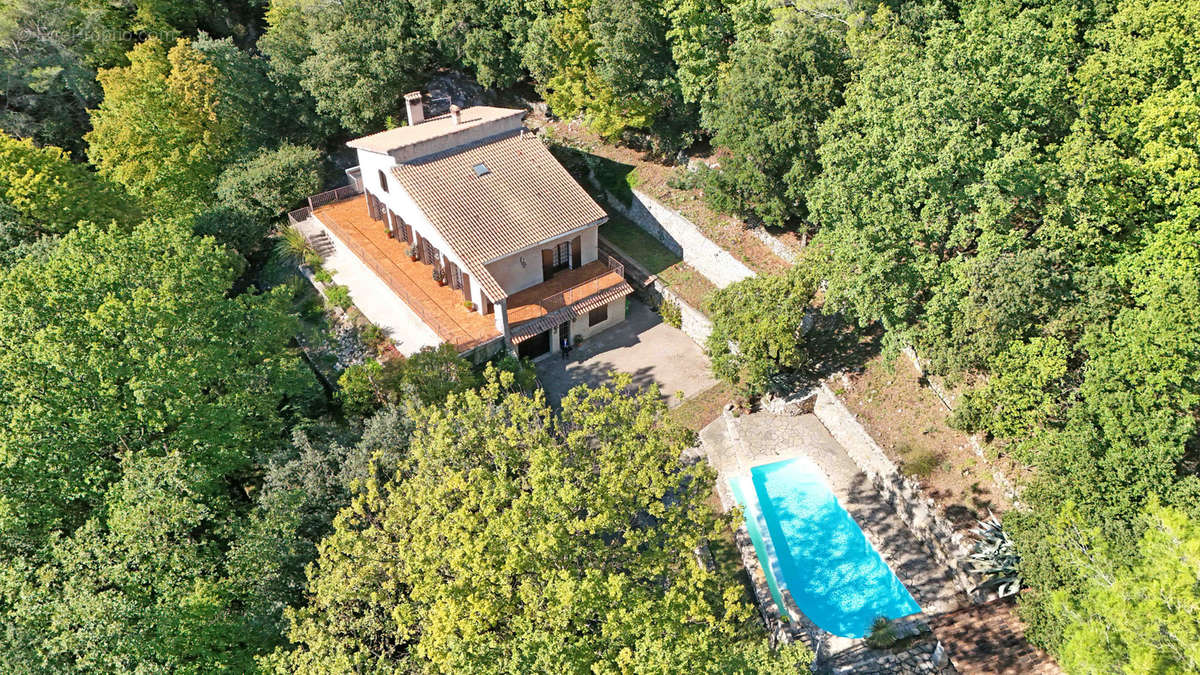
x=469 y=305
x=439 y=275
x=413 y=253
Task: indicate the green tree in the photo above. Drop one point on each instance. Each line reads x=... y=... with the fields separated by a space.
x=137 y=397
x=514 y=541
x=429 y=376
x=51 y=194
x=487 y=36
x=758 y=329
x=49 y=53
x=272 y=181
x=778 y=88
x=610 y=63
x=926 y=164
x=173 y=119
x=1139 y=617
x=364 y=58
x=118 y=346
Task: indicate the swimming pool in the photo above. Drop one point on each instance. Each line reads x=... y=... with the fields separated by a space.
x=810 y=545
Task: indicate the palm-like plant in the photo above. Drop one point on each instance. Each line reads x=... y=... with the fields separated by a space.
x=995 y=558
x=293 y=245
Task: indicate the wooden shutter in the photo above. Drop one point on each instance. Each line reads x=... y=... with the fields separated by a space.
x=466 y=287
x=547 y=263
x=576 y=252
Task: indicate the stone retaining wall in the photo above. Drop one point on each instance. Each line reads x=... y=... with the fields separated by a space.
x=777 y=247
x=694 y=323
x=904 y=495
x=680 y=236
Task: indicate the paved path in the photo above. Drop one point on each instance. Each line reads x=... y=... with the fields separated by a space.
x=642 y=345
x=374 y=299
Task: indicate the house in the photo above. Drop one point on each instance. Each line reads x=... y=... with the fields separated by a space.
x=473 y=224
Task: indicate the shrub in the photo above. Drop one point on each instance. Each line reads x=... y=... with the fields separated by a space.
x=322 y=275
x=671 y=314
x=338 y=296
x=882 y=635
x=292 y=245
x=359 y=388
x=373 y=336
x=919 y=463
x=523 y=371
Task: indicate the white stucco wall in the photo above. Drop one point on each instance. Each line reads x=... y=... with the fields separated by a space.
x=513 y=276
x=579 y=326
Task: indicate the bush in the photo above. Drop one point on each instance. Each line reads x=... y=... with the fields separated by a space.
x=882 y=635
x=671 y=314
x=322 y=275
x=429 y=376
x=338 y=296
x=293 y=246
x=919 y=463
x=523 y=371
x=373 y=336
x=359 y=389
x=265 y=186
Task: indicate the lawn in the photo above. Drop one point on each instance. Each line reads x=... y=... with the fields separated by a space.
x=692 y=286
x=700 y=410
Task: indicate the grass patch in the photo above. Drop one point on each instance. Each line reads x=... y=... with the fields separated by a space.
x=700 y=410
x=918 y=462
x=658 y=260
x=648 y=251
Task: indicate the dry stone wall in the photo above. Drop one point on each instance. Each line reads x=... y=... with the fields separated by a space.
x=680 y=236
x=916 y=510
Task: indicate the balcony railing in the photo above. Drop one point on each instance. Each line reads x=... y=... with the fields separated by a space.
x=574 y=294
x=328 y=197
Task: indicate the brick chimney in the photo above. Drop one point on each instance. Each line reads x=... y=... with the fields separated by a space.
x=416 y=111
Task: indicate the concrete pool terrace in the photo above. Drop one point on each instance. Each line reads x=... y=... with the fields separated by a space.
x=734 y=444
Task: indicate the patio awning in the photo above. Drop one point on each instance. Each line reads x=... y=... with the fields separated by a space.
x=528 y=329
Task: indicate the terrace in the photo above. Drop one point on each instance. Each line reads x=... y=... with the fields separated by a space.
x=439 y=307
x=567 y=294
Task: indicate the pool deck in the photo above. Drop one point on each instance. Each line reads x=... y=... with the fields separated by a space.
x=734 y=444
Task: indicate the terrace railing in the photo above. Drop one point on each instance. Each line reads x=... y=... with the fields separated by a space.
x=574 y=294
x=335 y=195
x=420 y=306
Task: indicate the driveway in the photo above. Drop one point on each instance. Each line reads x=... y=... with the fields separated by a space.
x=642 y=345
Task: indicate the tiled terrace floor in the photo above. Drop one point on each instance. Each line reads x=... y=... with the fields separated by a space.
x=441 y=307
x=564 y=288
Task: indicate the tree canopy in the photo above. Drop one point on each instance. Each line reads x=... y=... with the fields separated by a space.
x=514 y=540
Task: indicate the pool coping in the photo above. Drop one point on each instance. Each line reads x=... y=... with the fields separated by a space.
x=730 y=455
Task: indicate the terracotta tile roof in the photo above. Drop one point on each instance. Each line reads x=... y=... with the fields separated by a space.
x=990 y=639
x=547 y=321
x=437 y=127
x=523 y=197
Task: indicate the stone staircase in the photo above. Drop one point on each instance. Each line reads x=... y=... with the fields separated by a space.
x=323 y=244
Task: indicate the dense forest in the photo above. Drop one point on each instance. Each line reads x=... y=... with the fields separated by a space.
x=1010 y=188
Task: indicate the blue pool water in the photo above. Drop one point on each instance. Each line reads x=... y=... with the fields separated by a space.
x=817 y=551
